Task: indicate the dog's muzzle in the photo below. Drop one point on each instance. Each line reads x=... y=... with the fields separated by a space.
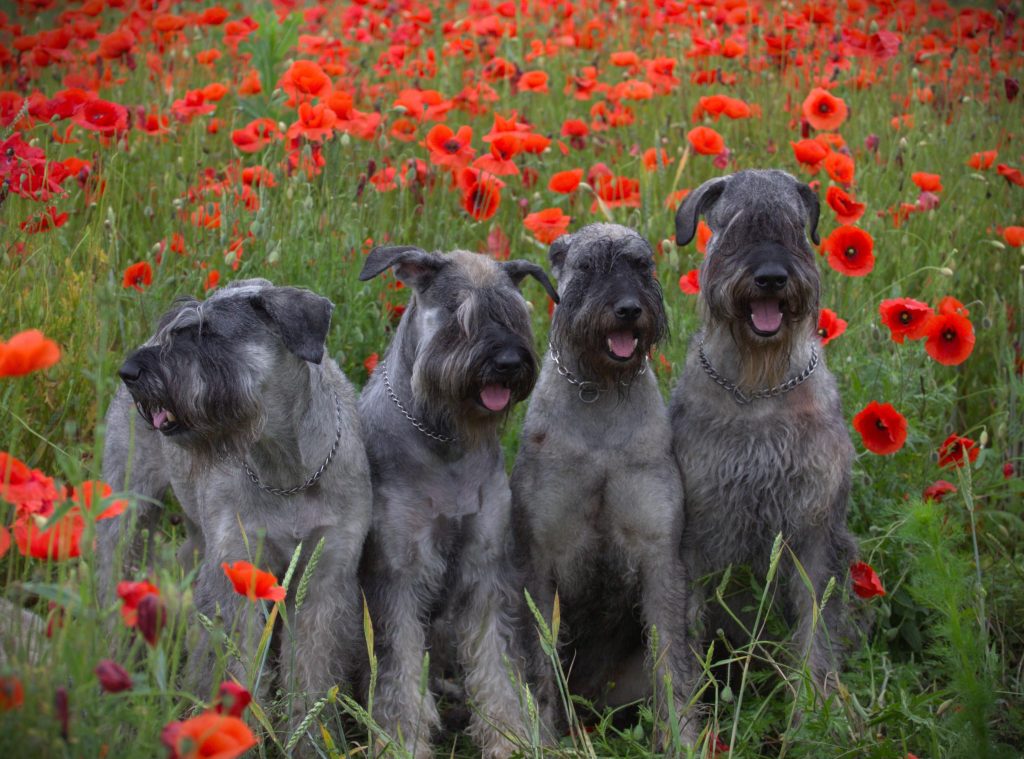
x=134 y=375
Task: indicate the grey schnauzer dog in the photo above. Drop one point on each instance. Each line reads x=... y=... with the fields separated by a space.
x=256 y=434
x=440 y=551
x=756 y=419
x=596 y=493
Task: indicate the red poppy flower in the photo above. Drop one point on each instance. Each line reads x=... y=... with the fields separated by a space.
x=1011 y=174
x=232 y=699
x=90 y=492
x=850 y=251
x=193 y=104
x=950 y=305
x=882 y=428
x=131 y=594
x=704 y=235
x=823 y=110
x=846 y=208
x=938 y=490
x=905 y=318
x=689 y=283
x=625 y=58
x=481 y=193
x=41 y=537
x=316 y=123
x=655 y=159
x=810 y=153
x=305 y=80
x=25 y=352
x=982 y=160
x=1014 y=236
x=706 y=140
x=950 y=338
x=138 y=276
x=5 y=540
x=533 y=81
x=830 y=326
x=927 y=182
x=20 y=485
x=617 y=191
x=957 y=450
x=253 y=583
x=208 y=736
x=840 y=167
x=565 y=181
x=450 y=149
x=866 y=583
x=112 y=676
x=102 y=116
x=547 y=225
x=370 y=362
x=12 y=694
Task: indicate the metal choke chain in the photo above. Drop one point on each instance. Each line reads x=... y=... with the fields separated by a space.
x=412 y=420
x=771 y=392
x=315 y=476
x=589 y=391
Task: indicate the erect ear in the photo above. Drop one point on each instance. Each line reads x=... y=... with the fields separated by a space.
x=413 y=266
x=557 y=252
x=695 y=205
x=812 y=207
x=302 y=319
x=518 y=268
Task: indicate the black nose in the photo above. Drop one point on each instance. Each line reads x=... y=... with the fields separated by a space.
x=628 y=309
x=130 y=370
x=507 y=361
x=771 y=277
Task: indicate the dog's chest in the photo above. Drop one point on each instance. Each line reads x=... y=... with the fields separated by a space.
x=746 y=482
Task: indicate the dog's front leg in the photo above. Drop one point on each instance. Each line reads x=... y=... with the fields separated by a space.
x=816 y=638
x=485 y=629
x=405 y=714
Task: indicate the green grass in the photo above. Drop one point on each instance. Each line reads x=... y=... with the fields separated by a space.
x=937 y=670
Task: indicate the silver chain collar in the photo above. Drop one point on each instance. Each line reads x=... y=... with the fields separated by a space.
x=589 y=391
x=771 y=392
x=412 y=420
x=315 y=476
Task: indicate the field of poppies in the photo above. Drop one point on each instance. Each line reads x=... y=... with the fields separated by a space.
x=157 y=148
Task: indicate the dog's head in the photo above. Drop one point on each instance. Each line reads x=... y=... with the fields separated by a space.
x=759 y=274
x=204 y=377
x=612 y=311
x=465 y=335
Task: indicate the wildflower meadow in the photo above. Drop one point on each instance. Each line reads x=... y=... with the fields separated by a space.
x=151 y=149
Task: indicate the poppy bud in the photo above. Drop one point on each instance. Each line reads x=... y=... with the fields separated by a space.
x=60 y=703
x=113 y=677
x=152 y=617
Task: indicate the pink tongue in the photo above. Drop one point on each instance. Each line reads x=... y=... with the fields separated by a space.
x=159 y=417
x=766 y=314
x=622 y=343
x=495 y=397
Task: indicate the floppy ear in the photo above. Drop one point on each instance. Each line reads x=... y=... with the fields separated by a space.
x=812 y=206
x=695 y=205
x=556 y=254
x=302 y=318
x=413 y=266
x=518 y=268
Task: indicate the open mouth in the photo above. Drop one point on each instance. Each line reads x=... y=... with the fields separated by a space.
x=163 y=420
x=622 y=344
x=766 y=316
x=495 y=397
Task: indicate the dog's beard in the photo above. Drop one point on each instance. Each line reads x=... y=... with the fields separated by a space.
x=762 y=361
x=600 y=343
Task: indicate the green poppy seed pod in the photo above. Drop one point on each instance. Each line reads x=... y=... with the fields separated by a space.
x=903 y=143
x=667 y=246
x=345 y=139
x=946 y=271
x=256 y=228
x=873 y=28
x=307 y=203
x=983 y=438
x=915 y=74
x=282 y=127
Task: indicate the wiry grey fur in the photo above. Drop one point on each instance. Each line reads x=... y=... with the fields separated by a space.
x=440 y=551
x=596 y=494
x=776 y=464
x=245 y=375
